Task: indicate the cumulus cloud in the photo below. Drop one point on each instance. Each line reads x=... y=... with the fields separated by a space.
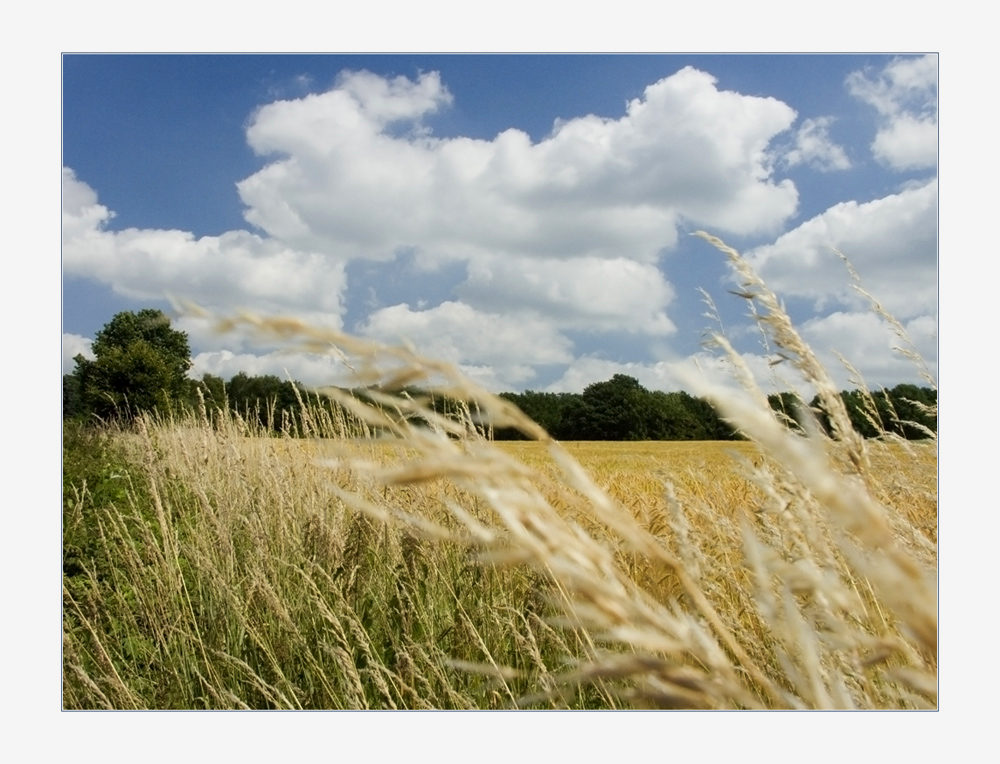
x=81 y=214
x=73 y=345
x=237 y=268
x=892 y=243
x=814 y=147
x=501 y=348
x=870 y=344
x=566 y=230
x=690 y=374
x=905 y=94
x=589 y=292
x=352 y=182
x=308 y=368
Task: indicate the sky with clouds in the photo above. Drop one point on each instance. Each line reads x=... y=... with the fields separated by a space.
x=528 y=218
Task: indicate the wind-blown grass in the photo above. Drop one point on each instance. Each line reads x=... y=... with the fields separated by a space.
x=401 y=559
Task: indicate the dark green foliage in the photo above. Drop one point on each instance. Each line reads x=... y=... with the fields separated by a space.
x=151 y=327
x=72 y=404
x=617 y=409
x=265 y=400
x=915 y=410
x=140 y=365
x=213 y=392
x=906 y=411
x=868 y=414
x=706 y=422
x=546 y=409
x=621 y=409
x=790 y=409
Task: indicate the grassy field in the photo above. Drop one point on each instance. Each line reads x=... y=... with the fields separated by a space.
x=210 y=569
x=404 y=560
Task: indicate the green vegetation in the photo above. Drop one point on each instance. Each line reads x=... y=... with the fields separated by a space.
x=141 y=365
x=208 y=566
x=620 y=409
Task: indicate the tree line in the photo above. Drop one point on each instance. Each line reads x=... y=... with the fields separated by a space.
x=621 y=409
x=141 y=364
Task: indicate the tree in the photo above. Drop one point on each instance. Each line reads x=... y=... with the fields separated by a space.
x=213 y=393
x=915 y=410
x=71 y=406
x=907 y=411
x=140 y=364
x=266 y=400
x=792 y=411
x=683 y=417
x=617 y=409
x=546 y=409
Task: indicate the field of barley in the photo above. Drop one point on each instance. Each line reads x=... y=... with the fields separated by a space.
x=393 y=557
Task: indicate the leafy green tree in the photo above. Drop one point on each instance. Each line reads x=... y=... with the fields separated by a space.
x=265 y=399
x=213 y=392
x=546 y=409
x=683 y=417
x=255 y=398
x=914 y=410
x=621 y=409
x=869 y=414
x=72 y=406
x=140 y=364
x=617 y=409
x=906 y=410
x=716 y=428
x=791 y=410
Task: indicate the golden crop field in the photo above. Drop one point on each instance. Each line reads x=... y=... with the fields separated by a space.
x=715 y=473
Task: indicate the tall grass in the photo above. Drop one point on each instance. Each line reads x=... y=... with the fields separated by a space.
x=400 y=559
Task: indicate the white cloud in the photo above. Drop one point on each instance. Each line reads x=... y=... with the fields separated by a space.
x=308 y=368
x=81 y=214
x=905 y=94
x=500 y=348
x=814 y=147
x=868 y=343
x=350 y=183
x=689 y=374
x=203 y=330
x=908 y=142
x=73 y=345
x=586 y=293
x=892 y=243
x=235 y=269
x=565 y=231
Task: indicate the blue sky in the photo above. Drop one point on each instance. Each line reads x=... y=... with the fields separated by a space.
x=526 y=217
